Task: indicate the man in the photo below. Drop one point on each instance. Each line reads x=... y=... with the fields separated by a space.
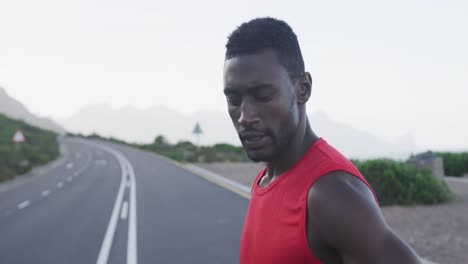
x=310 y=204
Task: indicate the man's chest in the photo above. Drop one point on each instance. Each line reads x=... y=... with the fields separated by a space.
x=275 y=231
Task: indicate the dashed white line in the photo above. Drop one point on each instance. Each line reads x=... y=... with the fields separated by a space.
x=23 y=204
x=69 y=178
x=124 y=211
x=126 y=166
x=101 y=162
x=82 y=169
x=59 y=185
x=45 y=193
x=69 y=165
x=106 y=245
x=128 y=183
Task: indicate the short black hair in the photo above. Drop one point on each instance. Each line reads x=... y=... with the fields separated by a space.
x=262 y=33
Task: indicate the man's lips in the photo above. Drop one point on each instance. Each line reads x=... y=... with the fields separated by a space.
x=251 y=135
x=253 y=140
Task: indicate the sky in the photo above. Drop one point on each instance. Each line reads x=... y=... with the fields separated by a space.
x=392 y=68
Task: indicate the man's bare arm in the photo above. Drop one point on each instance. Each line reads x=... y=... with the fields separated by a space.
x=345 y=216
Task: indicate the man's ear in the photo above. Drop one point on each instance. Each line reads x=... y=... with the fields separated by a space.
x=304 y=88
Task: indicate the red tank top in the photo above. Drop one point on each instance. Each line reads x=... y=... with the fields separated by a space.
x=275 y=226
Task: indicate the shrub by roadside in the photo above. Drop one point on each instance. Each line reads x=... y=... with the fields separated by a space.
x=397 y=183
x=186 y=151
x=41 y=146
x=455 y=164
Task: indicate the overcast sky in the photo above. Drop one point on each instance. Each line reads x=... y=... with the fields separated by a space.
x=391 y=68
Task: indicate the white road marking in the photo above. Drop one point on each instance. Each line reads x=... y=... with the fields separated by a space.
x=231 y=185
x=124 y=211
x=45 y=193
x=82 y=169
x=132 y=257
x=55 y=165
x=112 y=226
x=69 y=178
x=23 y=204
x=78 y=155
x=101 y=162
x=59 y=185
x=106 y=245
x=69 y=165
x=128 y=183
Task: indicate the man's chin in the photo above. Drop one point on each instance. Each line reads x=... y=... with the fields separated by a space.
x=259 y=156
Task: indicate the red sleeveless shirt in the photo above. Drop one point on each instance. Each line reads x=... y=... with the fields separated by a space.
x=275 y=226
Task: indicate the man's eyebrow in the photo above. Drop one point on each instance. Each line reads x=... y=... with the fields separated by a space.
x=259 y=87
x=249 y=88
x=262 y=86
x=229 y=90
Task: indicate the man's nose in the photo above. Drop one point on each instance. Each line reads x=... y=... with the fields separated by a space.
x=248 y=114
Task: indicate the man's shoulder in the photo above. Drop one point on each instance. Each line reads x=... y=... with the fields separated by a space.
x=337 y=185
x=325 y=156
x=341 y=210
x=339 y=201
x=339 y=194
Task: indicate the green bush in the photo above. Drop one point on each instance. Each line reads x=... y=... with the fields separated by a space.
x=455 y=164
x=6 y=173
x=396 y=183
x=40 y=147
x=186 y=151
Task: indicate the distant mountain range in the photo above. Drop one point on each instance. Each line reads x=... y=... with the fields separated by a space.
x=143 y=125
x=14 y=109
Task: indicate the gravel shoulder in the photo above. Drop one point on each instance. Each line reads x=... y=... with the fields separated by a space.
x=438 y=233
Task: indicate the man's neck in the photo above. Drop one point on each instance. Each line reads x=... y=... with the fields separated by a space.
x=295 y=150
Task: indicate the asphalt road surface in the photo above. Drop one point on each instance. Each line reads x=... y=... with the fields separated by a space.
x=108 y=203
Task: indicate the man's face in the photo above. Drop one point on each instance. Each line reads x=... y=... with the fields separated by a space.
x=262 y=103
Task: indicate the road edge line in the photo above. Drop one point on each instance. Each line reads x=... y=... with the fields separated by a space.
x=132 y=254
x=198 y=172
x=222 y=181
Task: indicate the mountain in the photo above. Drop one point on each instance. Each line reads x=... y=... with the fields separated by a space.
x=357 y=143
x=143 y=125
x=14 y=109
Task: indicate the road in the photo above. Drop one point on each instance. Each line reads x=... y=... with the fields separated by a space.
x=109 y=203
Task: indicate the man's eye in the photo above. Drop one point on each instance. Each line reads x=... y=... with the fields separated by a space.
x=234 y=100
x=263 y=97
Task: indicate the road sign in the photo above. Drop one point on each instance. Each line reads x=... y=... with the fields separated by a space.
x=197 y=131
x=18 y=137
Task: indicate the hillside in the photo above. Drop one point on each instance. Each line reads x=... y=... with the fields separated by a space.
x=12 y=108
x=40 y=147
